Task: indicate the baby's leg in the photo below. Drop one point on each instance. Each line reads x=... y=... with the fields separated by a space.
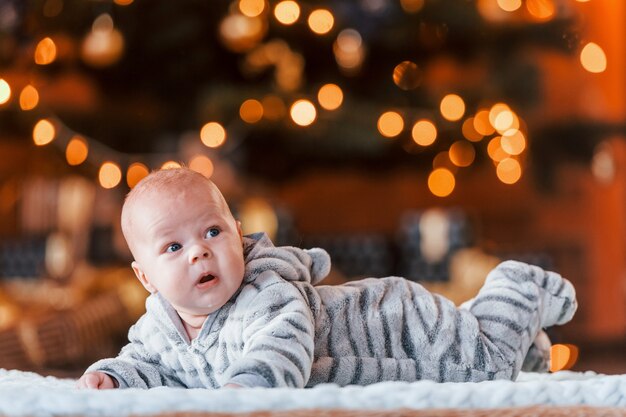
x=394 y=329
x=518 y=284
x=538 y=356
x=516 y=302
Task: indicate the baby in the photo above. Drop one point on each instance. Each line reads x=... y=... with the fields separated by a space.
x=228 y=310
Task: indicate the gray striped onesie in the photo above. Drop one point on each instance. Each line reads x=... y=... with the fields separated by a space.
x=280 y=329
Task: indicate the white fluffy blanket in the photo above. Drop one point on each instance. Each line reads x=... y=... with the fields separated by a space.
x=29 y=394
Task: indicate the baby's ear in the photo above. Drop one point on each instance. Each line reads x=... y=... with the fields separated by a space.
x=142 y=277
x=239 y=230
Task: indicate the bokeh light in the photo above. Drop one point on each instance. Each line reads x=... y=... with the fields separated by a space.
x=495 y=151
x=349 y=40
x=273 y=107
x=29 y=98
x=424 y=132
x=251 y=111
x=502 y=118
x=509 y=171
x=513 y=142
x=241 y=33
x=462 y=153
x=407 y=75
x=104 y=45
x=77 y=150
x=5 y=91
x=170 y=165
x=541 y=9
x=441 y=182
x=603 y=164
x=104 y=23
x=563 y=356
x=412 y=6
x=435 y=235
x=452 y=107
x=251 y=8
x=303 y=112
x=495 y=111
x=510 y=5
x=469 y=131
x=257 y=214
x=330 y=96
x=202 y=164
x=109 y=175
x=45 y=52
x=213 y=135
x=506 y=120
x=491 y=10
x=321 y=21
x=349 y=50
x=123 y=2
x=442 y=160
x=482 y=124
x=135 y=173
x=287 y=12
x=390 y=124
x=43 y=132
x=593 y=58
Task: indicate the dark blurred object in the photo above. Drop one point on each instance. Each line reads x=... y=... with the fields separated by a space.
x=44 y=325
x=101 y=250
x=70 y=338
x=286 y=233
x=22 y=257
x=428 y=239
x=356 y=255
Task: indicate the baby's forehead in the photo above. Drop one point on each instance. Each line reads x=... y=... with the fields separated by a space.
x=170 y=194
x=169 y=188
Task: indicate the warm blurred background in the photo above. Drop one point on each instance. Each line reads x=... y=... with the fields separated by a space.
x=421 y=138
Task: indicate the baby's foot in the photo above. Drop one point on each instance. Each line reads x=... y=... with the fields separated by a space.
x=558 y=297
x=538 y=357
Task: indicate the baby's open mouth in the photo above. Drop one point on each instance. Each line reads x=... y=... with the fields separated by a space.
x=206 y=278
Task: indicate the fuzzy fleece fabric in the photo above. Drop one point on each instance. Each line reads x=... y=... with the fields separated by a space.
x=282 y=330
x=25 y=394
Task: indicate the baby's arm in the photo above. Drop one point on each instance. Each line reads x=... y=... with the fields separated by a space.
x=96 y=380
x=278 y=340
x=137 y=365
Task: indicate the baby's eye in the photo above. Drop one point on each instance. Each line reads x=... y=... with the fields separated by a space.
x=212 y=232
x=174 y=247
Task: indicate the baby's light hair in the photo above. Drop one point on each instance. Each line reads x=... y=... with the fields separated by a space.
x=169 y=181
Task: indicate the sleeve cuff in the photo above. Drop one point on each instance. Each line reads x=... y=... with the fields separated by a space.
x=118 y=379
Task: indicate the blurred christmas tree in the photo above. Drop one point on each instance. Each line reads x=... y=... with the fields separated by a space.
x=445 y=84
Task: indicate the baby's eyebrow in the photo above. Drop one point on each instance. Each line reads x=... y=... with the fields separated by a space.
x=164 y=240
x=213 y=217
x=164 y=230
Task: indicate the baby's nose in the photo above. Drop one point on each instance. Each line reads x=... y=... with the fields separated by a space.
x=197 y=253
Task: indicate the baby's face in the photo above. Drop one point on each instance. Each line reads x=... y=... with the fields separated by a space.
x=189 y=248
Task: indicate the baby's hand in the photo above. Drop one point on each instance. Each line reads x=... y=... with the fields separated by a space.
x=96 y=380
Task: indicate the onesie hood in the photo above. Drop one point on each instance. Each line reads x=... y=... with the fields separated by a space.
x=291 y=263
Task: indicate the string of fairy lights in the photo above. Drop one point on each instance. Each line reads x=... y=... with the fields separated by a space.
x=244 y=27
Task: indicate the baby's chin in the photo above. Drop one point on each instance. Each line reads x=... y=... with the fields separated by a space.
x=193 y=314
